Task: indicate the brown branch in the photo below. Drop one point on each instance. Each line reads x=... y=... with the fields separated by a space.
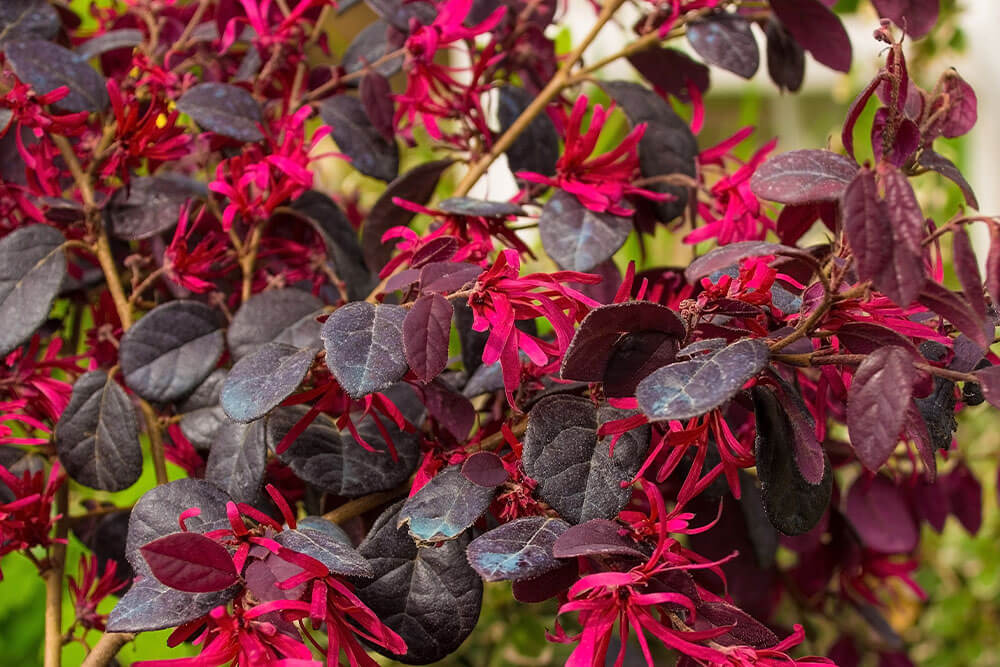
x=53 y=576
x=155 y=441
x=359 y=506
x=107 y=648
x=248 y=259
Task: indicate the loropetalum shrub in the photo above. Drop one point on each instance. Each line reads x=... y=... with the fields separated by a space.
x=635 y=444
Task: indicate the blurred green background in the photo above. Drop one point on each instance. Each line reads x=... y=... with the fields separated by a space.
x=957 y=626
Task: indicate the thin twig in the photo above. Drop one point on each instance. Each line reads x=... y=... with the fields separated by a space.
x=107 y=648
x=53 y=576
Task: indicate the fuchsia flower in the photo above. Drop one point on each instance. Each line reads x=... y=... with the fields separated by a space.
x=91 y=587
x=197 y=266
x=262 y=178
x=432 y=92
x=502 y=298
x=734 y=213
x=642 y=599
x=601 y=182
x=271 y=26
x=154 y=136
x=34 y=382
x=27 y=520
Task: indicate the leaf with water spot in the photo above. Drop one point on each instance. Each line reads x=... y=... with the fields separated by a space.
x=521 y=549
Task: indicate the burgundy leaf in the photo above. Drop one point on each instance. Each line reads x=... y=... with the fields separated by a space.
x=725 y=40
x=426 y=330
x=804 y=177
x=877 y=401
x=810 y=458
x=917 y=429
x=854 y=112
x=794 y=221
x=485 y=469
x=904 y=210
x=881 y=256
x=881 y=516
x=930 y=503
x=818 y=30
x=376 y=96
x=989 y=380
x=786 y=61
x=954 y=105
x=942 y=165
x=905 y=140
x=597 y=537
x=954 y=308
x=866 y=337
x=916 y=16
x=967 y=268
x=993 y=262
x=190 y=562
x=447 y=276
x=449 y=408
x=965 y=495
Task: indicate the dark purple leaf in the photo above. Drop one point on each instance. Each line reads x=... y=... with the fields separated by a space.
x=429 y=595
x=904 y=141
x=809 y=455
x=417 y=186
x=942 y=165
x=369 y=46
x=879 y=513
x=260 y=381
x=282 y=315
x=112 y=40
x=744 y=629
x=485 y=469
x=917 y=429
x=364 y=346
x=32 y=269
x=224 y=109
x=967 y=268
x=989 y=381
x=593 y=346
x=854 y=113
x=149 y=605
x=97 y=436
x=340 y=558
x=47 y=66
x=904 y=211
x=576 y=471
x=399 y=14
x=521 y=549
x=954 y=308
x=804 y=177
x=965 y=496
x=334 y=462
x=320 y=525
x=725 y=40
x=376 y=96
x=793 y=505
x=670 y=71
x=237 y=459
x=916 y=16
x=426 y=331
x=447 y=276
x=938 y=412
x=786 y=61
x=27 y=19
x=818 y=30
x=537 y=148
x=201 y=414
x=436 y=250
x=930 y=503
x=877 y=401
x=667 y=147
x=866 y=337
x=702 y=347
x=880 y=253
x=190 y=562
x=688 y=389
x=358 y=138
x=577 y=238
x=479 y=207
x=634 y=357
x=171 y=350
x=150 y=205
x=595 y=538
x=445 y=506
